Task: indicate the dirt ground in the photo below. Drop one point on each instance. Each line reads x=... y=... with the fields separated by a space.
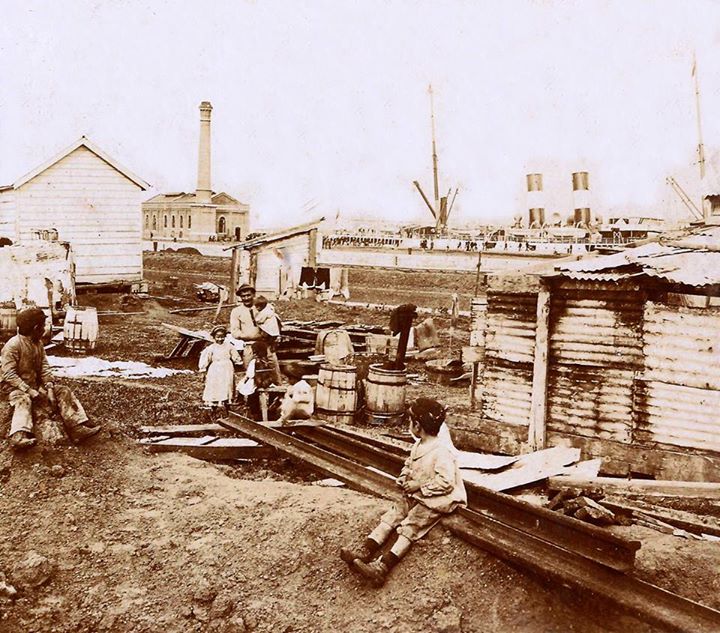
x=110 y=538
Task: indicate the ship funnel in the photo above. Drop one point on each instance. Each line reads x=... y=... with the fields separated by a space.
x=581 y=198
x=536 y=201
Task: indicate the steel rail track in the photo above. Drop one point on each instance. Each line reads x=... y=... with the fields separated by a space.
x=562 y=531
x=650 y=604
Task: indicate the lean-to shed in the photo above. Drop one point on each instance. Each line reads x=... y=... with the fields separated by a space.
x=273 y=263
x=625 y=362
x=84 y=197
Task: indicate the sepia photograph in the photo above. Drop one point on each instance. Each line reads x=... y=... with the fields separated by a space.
x=359 y=316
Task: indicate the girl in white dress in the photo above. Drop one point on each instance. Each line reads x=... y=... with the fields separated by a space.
x=219 y=359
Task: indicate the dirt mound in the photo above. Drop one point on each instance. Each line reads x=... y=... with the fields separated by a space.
x=139 y=543
x=188 y=250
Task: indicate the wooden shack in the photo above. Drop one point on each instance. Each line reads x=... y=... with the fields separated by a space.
x=273 y=263
x=617 y=356
x=84 y=197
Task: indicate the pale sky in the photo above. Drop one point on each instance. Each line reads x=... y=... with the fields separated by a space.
x=325 y=102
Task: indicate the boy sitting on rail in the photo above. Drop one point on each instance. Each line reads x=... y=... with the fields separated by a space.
x=432 y=487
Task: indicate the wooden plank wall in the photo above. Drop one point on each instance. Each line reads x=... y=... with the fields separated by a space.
x=94 y=207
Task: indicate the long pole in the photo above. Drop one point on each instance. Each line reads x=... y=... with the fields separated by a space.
x=434 y=155
x=701 y=147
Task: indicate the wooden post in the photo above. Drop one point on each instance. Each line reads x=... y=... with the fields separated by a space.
x=538 y=406
x=234 y=270
x=312 y=248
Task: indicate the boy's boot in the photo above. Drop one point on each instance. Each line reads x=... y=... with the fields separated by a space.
x=82 y=432
x=377 y=571
x=21 y=440
x=366 y=552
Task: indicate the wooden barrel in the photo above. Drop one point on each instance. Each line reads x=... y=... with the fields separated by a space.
x=385 y=393
x=336 y=394
x=8 y=324
x=335 y=345
x=81 y=329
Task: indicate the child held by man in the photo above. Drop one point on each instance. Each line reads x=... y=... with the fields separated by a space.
x=432 y=487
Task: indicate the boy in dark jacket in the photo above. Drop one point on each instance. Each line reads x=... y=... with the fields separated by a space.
x=27 y=382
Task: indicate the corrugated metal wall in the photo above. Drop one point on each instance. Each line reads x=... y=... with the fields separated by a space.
x=509 y=355
x=595 y=353
x=678 y=395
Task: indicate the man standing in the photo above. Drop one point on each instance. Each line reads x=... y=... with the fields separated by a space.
x=244 y=327
x=242 y=321
x=27 y=382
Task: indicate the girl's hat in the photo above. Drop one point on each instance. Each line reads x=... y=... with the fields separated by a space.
x=218 y=328
x=429 y=414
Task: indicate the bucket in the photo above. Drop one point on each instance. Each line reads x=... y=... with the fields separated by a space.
x=8 y=324
x=385 y=393
x=81 y=329
x=478 y=321
x=336 y=392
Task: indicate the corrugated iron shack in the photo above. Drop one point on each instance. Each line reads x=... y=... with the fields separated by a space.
x=617 y=355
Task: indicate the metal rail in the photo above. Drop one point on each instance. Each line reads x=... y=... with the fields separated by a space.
x=581 y=538
x=663 y=609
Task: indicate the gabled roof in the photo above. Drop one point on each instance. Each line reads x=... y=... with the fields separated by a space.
x=83 y=141
x=180 y=196
x=279 y=235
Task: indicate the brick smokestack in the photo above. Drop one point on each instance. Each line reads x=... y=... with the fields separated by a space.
x=203 y=192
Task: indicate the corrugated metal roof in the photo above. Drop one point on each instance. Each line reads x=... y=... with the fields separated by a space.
x=688 y=266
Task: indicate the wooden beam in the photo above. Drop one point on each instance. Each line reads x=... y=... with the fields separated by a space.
x=649 y=487
x=538 y=407
x=313 y=248
x=183 y=429
x=234 y=270
x=211 y=448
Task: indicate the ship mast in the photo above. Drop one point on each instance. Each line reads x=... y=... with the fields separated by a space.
x=434 y=155
x=701 y=147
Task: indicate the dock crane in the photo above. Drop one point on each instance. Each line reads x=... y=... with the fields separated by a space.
x=686 y=200
x=439 y=208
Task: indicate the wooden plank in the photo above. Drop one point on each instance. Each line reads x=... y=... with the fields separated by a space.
x=182 y=429
x=655 y=512
x=528 y=469
x=538 y=404
x=650 y=487
x=211 y=447
x=204 y=336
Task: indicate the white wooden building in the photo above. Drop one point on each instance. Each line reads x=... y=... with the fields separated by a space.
x=84 y=197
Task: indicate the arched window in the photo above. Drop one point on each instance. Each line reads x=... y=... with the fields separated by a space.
x=165 y=221
x=181 y=221
x=189 y=221
x=154 y=223
x=221 y=224
x=147 y=220
x=172 y=221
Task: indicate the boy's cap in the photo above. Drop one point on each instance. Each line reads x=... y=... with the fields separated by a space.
x=429 y=414
x=244 y=288
x=28 y=319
